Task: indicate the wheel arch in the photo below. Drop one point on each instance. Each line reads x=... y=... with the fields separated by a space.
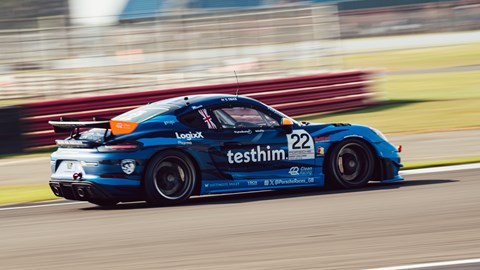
x=377 y=157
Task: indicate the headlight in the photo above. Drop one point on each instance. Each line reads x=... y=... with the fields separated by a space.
x=379 y=133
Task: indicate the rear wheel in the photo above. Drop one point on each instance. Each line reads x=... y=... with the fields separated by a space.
x=170 y=178
x=350 y=164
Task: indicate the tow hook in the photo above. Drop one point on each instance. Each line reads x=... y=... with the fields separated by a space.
x=77 y=176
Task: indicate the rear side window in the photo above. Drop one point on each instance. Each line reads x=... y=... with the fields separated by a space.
x=199 y=119
x=192 y=119
x=143 y=113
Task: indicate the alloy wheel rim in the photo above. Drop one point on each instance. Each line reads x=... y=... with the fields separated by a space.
x=173 y=178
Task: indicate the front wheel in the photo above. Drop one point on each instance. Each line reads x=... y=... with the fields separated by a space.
x=170 y=178
x=350 y=164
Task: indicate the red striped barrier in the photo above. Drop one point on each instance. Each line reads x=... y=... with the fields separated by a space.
x=294 y=96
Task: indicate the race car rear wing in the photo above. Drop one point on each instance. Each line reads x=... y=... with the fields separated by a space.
x=73 y=125
x=69 y=124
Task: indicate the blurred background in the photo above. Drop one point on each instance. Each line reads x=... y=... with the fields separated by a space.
x=51 y=49
x=425 y=54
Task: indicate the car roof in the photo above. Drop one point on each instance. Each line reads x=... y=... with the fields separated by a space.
x=193 y=102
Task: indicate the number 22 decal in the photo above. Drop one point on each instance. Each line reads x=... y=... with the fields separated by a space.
x=300 y=141
x=300 y=145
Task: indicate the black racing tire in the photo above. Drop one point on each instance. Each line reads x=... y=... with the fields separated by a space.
x=104 y=203
x=349 y=164
x=170 y=178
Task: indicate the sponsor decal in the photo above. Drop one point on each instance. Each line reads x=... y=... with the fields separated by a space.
x=252 y=183
x=229 y=99
x=256 y=155
x=197 y=107
x=259 y=131
x=243 y=131
x=166 y=123
x=322 y=138
x=122 y=127
x=207 y=119
x=184 y=142
x=189 y=136
x=68 y=142
x=294 y=171
x=300 y=145
x=280 y=182
x=128 y=165
x=320 y=151
x=222 y=185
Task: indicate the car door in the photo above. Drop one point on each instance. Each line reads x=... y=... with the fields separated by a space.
x=254 y=146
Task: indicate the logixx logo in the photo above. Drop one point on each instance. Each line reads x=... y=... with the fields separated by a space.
x=189 y=136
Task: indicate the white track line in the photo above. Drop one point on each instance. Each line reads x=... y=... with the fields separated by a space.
x=442 y=169
x=39 y=205
x=427 y=265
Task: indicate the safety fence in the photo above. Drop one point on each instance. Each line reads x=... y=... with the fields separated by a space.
x=48 y=58
x=293 y=96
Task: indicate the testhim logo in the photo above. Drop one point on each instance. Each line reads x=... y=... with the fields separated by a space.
x=256 y=155
x=189 y=136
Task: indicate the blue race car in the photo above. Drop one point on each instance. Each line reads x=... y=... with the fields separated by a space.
x=166 y=151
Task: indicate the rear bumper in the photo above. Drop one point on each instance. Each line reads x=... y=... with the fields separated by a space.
x=81 y=191
x=88 y=191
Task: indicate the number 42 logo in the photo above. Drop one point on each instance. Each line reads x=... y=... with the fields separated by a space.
x=300 y=145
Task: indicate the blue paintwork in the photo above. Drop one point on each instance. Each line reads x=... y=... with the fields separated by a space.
x=220 y=172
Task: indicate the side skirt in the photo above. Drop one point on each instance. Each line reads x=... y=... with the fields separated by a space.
x=228 y=186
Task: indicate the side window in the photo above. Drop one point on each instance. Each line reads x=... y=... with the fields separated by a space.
x=243 y=117
x=199 y=119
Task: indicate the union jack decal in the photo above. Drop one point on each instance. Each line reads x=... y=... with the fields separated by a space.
x=207 y=119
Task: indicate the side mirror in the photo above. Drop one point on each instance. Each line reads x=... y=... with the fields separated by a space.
x=287 y=125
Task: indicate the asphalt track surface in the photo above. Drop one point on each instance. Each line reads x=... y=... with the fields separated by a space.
x=430 y=217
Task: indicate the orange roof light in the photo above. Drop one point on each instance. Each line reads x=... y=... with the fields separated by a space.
x=122 y=127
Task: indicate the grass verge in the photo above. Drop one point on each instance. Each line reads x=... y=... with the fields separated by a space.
x=416 y=58
x=25 y=193
x=419 y=103
x=439 y=163
x=36 y=153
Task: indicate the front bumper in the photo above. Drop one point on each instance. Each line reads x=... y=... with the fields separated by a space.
x=388 y=171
